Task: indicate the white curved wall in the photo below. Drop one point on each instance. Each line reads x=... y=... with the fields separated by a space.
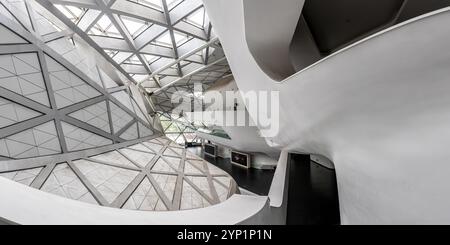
x=270 y=26
x=378 y=110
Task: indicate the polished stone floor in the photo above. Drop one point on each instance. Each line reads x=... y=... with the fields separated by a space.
x=254 y=180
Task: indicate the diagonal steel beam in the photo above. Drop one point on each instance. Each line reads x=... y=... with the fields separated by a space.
x=183 y=57
x=118 y=24
x=91 y=188
x=189 y=74
x=50 y=7
x=172 y=35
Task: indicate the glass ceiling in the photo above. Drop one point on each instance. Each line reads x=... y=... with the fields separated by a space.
x=134 y=26
x=108 y=29
x=157 y=4
x=104 y=27
x=197 y=18
x=178 y=129
x=165 y=46
x=71 y=12
x=159 y=44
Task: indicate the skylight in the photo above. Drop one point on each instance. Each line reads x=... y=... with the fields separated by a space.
x=133 y=60
x=166 y=39
x=155 y=4
x=150 y=58
x=197 y=18
x=120 y=57
x=139 y=77
x=134 y=26
x=104 y=22
x=111 y=53
x=73 y=13
x=104 y=27
x=172 y=3
x=136 y=40
x=179 y=38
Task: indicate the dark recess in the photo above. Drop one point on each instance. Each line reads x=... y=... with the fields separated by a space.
x=312 y=193
x=334 y=23
x=257 y=181
x=414 y=8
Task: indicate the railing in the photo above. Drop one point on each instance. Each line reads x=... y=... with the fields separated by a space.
x=277 y=189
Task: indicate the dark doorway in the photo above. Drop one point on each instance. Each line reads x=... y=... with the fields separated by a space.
x=312 y=194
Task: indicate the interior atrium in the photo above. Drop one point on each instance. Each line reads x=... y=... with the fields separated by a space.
x=224 y=112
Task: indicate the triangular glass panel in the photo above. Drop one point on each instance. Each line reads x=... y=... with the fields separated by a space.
x=105 y=27
x=197 y=18
x=134 y=26
x=73 y=13
x=154 y=4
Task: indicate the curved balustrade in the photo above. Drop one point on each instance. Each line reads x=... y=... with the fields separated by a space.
x=24 y=205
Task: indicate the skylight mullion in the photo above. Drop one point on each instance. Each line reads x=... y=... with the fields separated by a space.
x=121 y=28
x=197 y=18
x=149 y=3
x=172 y=35
x=208 y=49
x=109 y=27
x=70 y=12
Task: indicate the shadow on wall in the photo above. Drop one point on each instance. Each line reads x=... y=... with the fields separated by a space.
x=312 y=193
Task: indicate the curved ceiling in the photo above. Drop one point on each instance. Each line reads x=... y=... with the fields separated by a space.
x=158 y=44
